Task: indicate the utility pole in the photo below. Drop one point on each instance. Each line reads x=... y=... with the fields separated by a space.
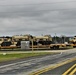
x=32 y=44
x=55 y=37
x=64 y=39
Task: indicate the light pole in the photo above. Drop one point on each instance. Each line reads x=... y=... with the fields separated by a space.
x=63 y=38
x=32 y=42
x=55 y=37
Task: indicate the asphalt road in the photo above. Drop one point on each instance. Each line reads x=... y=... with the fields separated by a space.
x=61 y=70
x=27 y=66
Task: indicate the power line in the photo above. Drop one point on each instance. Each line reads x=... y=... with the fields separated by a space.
x=39 y=3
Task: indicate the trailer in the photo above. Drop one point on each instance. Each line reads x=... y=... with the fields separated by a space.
x=35 y=42
x=73 y=42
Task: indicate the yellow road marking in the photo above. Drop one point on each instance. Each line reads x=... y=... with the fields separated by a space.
x=72 y=73
x=69 y=70
x=52 y=67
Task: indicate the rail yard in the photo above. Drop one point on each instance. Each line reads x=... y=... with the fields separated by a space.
x=37 y=55
x=35 y=42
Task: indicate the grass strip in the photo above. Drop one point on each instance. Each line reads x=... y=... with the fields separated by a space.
x=14 y=56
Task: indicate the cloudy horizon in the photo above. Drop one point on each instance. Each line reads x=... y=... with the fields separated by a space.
x=37 y=17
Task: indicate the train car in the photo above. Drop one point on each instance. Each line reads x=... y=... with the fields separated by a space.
x=37 y=42
x=72 y=41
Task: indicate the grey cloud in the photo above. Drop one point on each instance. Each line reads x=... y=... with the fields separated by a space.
x=29 y=18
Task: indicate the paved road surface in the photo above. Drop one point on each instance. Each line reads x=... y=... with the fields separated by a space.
x=62 y=69
x=27 y=66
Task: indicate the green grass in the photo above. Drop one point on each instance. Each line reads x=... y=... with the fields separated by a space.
x=15 y=56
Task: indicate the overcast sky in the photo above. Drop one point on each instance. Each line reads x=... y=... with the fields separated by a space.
x=37 y=17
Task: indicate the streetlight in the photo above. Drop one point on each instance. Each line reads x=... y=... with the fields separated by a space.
x=32 y=42
x=55 y=38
